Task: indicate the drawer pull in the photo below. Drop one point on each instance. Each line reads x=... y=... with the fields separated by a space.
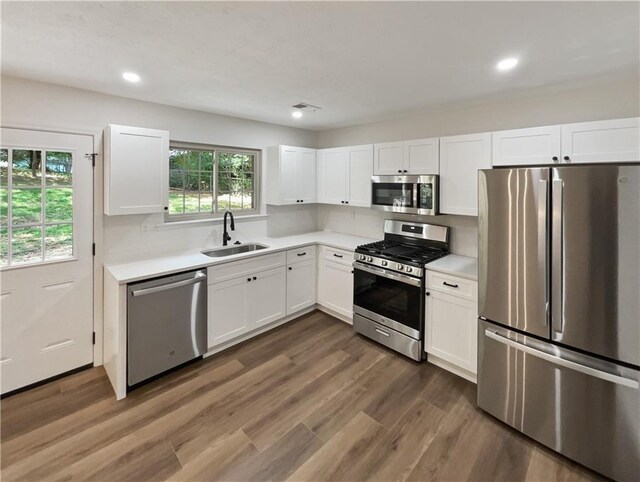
x=302 y=254
x=382 y=332
x=337 y=255
x=449 y=284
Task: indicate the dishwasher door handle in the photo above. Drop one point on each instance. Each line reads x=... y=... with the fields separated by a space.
x=199 y=278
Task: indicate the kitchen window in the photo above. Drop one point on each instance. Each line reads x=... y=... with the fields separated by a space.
x=205 y=181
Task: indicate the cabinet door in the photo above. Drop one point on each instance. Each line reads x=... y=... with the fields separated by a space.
x=227 y=310
x=333 y=176
x=451 y=329
x=265 y=301
x=388 y=158
x=602 y=141
x=306 y=175
x=360 y=162
x=460 y=159
x=136 y=170
x=301 y=286
x=288 y=176
x=336 y=288
x=421 y=156
x=519 y=147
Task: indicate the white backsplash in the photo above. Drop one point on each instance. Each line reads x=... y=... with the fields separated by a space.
x=369 y=223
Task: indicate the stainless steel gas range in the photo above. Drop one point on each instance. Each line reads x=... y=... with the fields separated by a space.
x=389 y=285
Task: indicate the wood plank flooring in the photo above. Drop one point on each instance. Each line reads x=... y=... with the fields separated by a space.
x=308 y=401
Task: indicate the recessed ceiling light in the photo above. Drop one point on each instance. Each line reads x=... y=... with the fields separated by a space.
x=296 y=114
x=131 y=77
x=507 y=64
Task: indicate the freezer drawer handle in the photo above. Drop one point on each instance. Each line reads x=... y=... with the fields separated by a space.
x=199 y=278
x=609 y=377
x=449 y=284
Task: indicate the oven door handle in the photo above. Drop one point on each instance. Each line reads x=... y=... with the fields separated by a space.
x=387 y=274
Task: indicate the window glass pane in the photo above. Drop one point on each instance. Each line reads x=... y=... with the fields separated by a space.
x=236 y=200
x=247 y=200
x=26 y=206
x=224 y=181
x=58 y=168
x=191 y=192
x=4 y=167
x=224 y=161
x=26 y=167
x=223 y=202
x=176 y=192
x=184 y=159
x=26 y=245
x=4 y=246
x=206 y=161
x=4 y=206
x=206 y=192
x=58 y=241
x=58 y=205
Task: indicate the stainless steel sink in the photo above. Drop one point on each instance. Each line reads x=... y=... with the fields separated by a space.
x=230 y=250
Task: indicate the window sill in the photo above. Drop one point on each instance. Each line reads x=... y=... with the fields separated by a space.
x=200 y=222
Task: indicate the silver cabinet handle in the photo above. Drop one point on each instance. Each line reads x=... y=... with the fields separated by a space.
x=382 y=332
x=157 y=289
x=609 y=377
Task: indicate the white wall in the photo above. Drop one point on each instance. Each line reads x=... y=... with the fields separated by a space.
x=592 y=102
x=33 y=104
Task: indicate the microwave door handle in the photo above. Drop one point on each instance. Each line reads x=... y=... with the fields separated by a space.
x=415 y=189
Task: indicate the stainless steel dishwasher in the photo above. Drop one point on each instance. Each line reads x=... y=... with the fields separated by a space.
x=166 y=323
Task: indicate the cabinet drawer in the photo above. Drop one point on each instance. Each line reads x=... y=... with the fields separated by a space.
x=233 y=269
x=338 y=255
x=464 y=288
x=299 y=255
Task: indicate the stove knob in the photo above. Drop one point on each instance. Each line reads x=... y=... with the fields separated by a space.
x=369 y=259
x=409 y=269
x=399 y=267
x=383 y=263
x=362 y=257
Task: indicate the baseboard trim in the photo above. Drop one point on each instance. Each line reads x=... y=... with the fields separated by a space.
x=335 y=314
x=45 y=381
x=450 y=367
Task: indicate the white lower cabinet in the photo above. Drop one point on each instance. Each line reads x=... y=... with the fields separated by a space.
x=451 y=330
x=335 y=282
x=301 y=285
x=245 y=303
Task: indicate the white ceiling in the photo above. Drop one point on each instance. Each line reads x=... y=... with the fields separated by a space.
x=359 y=61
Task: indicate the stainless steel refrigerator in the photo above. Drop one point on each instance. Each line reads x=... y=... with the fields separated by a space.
x=559 y=308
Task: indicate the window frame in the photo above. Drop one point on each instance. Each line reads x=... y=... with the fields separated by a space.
x=43 y=224
x=215 y=149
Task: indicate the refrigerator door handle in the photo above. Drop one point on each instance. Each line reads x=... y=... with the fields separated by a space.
x=602 y=375
x=543 y=244
x=557 y=248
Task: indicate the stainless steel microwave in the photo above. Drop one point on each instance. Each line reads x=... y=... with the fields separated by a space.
x=405 y=194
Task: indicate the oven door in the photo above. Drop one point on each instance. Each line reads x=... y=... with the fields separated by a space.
x=395 y=193
x=391 y=299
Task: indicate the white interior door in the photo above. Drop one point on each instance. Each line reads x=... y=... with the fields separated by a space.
x=46 y=260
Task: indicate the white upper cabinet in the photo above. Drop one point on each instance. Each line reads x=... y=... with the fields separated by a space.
x=136 y=170
x=388 y=158
x=333 y=176
x=615 y=140
x=538 y=145
x=344 y=175
x=360 y=171
x=460 y=159
x=421 y=156
x=414 y=157
x=291 y=175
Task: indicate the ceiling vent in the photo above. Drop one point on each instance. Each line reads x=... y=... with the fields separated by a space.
x=306 y=107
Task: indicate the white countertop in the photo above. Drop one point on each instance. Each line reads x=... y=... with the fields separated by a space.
x=462 y=266
x=150 y=268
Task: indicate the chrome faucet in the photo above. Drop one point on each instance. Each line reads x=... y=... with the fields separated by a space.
x=225 y=234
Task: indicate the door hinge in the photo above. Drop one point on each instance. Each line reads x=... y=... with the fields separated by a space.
x=92 y=156
x=94 y=337
x=93 y=249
